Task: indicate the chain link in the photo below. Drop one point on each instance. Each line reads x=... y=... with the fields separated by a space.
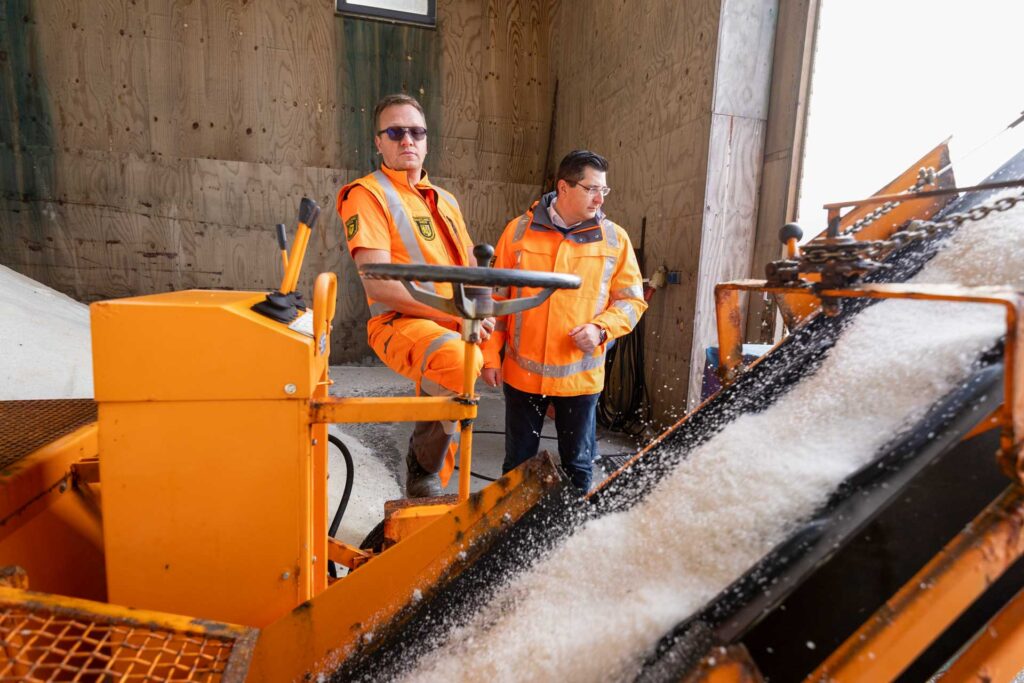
x=925 y=176
x=914 y=231
x=840 y=260
x=918 y=230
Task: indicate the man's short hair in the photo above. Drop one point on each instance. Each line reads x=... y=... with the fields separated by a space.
x=575 y=163
x=392 y=100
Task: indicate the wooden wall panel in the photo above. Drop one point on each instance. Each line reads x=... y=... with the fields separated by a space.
x=784 y=140
x=730 y=216
x=735 y=156
x=153 y=144
x=641 y=95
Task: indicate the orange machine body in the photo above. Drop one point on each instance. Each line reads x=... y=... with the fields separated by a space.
x=214 y=496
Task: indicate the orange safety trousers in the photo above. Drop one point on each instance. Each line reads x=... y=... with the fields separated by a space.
x=430 y=354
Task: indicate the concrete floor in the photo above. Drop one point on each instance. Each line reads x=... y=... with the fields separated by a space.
x=380 y=461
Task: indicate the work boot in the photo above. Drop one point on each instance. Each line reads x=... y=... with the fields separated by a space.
x=418 y=482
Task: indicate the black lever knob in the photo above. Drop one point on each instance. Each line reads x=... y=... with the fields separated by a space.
x=789 y=231
x=484 y=254
x=309 y=211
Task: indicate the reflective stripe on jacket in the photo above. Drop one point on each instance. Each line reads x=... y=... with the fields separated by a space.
x=413 y=228
x=540 y=357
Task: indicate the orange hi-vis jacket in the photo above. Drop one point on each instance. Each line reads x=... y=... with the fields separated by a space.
x=422 y=225
x=540 y=357
x=397 y=218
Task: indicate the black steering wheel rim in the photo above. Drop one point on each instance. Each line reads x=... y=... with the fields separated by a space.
x=469 y=275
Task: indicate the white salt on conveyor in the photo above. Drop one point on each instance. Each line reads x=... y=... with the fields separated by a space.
x=595 y=606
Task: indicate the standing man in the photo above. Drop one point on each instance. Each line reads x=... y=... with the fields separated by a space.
x=554 y=353
x=395 y=215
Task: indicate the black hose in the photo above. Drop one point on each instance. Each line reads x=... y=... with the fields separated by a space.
x=625 y=405
x=343 y=505
x=479 y=476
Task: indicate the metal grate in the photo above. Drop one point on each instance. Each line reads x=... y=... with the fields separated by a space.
x=26 y=426
x=43 y=640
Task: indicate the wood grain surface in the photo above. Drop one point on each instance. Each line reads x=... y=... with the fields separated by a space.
x=641 y=95
x=152 y=146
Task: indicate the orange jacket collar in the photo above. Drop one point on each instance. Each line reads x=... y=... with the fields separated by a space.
x=402 y=178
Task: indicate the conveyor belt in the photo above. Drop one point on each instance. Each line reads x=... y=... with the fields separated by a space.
x=736 y=610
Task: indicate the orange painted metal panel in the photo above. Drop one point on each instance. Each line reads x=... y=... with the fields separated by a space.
x=335 y=410
x=197 y=345
x=725 y=664
x=927 y=604
x=207 y=507
x=997 y=653
x=40 y=500
x=317 y=636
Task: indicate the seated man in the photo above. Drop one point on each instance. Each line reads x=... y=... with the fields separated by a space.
x=395 y=215
x=554 y=353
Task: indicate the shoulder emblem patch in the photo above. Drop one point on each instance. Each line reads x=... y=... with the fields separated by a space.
x=425 y=226
x=352 y=226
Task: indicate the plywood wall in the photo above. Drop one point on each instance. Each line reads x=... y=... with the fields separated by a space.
x=152 y=145
x=675 y=95
x=641 y=95
x=739 y=115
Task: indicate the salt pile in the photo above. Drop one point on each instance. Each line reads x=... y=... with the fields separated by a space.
x=595 y=606
x=47 y=349
x=373 y=484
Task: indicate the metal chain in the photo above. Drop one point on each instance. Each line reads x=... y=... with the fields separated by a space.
x=918 y=230
x=913 y=232
x=925 y=176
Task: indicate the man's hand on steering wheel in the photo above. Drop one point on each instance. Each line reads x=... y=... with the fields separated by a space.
x=486 y=328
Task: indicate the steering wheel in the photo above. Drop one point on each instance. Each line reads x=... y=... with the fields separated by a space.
x=472 y=289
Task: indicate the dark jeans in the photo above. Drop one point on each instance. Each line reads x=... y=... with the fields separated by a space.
x=575 y=423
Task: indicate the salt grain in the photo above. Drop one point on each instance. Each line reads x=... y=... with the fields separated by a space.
x=593 y=607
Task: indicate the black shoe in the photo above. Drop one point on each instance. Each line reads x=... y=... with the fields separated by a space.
x=418 y=482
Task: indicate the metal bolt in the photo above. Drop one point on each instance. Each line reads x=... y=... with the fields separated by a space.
x=314 y=559
x=289 y=389
x=63 y=486
x=286 y=575
x=315 y=442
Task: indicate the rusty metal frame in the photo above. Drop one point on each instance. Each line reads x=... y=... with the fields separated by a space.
x=834 y=207
x=997 y=653
x=1010 y=417
x=928 y=603
x=318 y=635
x=133 y=627
x=461 y=408
x=345 y=554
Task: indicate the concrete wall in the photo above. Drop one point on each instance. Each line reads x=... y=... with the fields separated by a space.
x=153 y=146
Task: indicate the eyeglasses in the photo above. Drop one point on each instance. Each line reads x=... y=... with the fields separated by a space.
x=397 y=133
x=593 y=190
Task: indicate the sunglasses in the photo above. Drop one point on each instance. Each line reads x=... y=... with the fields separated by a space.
x=397 y=133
